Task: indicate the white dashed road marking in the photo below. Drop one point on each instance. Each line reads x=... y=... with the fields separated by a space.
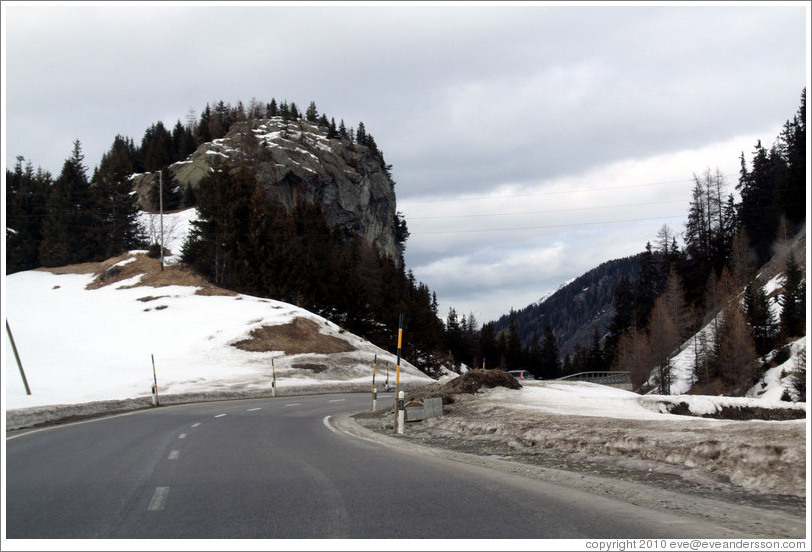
x=220 y=415
x=158 y=499
x=173 y=454
x=294 y=404
x=252 y=409
x=196 y=424
x=182 y=436
x=337 y=400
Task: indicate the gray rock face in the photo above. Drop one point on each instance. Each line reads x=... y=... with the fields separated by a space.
x=295 y=161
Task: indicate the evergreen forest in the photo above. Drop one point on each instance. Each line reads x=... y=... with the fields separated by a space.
x=642 y=308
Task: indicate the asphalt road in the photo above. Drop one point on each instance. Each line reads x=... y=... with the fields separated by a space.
x=278 y=469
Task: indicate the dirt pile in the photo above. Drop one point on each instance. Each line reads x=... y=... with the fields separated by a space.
x=469 y=383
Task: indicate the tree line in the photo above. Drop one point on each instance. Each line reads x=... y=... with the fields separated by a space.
x=73 y=218
x=677 y=291
x=78 y=218
x=244 y=242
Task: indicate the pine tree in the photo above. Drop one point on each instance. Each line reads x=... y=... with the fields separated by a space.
x=793 y=300
x=118 y=206
x=791 y=192
x=760 y=317
x=183 y=142
x=646 y=288
x=69 y=233
x=332 y=132
x=361 y=134
x=312 y=114
x=202 y=130
x=758 y=211
x=272 y=110
x=549 y=360
x=26 y=195
x=172 y=193
x=622 y=318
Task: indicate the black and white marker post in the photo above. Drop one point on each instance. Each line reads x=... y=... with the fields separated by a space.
x=155 y=401
x=273 y=383
x=374 y=391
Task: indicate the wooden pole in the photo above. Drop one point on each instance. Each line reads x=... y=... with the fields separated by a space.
x=161 y=203
x=17 y=356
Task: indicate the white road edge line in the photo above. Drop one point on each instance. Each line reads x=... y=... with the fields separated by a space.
x=328 y=425
x=158 y=501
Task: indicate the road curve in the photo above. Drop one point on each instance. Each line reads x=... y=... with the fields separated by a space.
x=278 y=469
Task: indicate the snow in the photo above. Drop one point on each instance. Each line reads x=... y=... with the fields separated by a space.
x=573 y=398
x=772 y=384
x=80 y=346
x=176 y=228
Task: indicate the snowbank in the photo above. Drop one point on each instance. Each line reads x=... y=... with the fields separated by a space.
x=80 y=345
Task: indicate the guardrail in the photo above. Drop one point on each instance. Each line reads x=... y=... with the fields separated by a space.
x=605 y=378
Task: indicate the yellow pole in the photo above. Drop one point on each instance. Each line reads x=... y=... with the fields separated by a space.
x=400 y=342
x=395 y=424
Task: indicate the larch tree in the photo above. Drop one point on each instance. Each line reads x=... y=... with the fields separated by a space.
x=736 y=352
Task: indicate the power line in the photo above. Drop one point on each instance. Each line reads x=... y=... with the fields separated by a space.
x=546 y=226
x=549 y=210
x=472 y=198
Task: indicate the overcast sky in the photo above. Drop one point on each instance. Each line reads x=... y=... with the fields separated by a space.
x=529 y=142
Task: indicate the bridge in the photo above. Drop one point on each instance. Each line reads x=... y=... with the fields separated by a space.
x=621 y=380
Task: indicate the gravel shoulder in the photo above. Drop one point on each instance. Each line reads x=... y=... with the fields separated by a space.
x=577 y=453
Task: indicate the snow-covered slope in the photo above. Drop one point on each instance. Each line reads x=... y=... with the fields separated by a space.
x=79 y=345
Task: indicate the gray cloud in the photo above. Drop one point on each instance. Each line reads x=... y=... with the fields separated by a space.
x=463 y=101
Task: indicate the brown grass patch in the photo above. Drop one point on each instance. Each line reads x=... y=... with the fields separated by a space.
x=315 y=368
x=300 y=336
x=107 y=273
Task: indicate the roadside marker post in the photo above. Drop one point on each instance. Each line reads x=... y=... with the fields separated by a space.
x=155 y=401
x=273 y=383
x=401 y=413
x=374 y=393
x=398 y=393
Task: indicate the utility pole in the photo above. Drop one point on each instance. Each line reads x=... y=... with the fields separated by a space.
x=161 y=204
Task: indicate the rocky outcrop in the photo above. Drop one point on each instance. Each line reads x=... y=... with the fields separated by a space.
x=295 y=161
